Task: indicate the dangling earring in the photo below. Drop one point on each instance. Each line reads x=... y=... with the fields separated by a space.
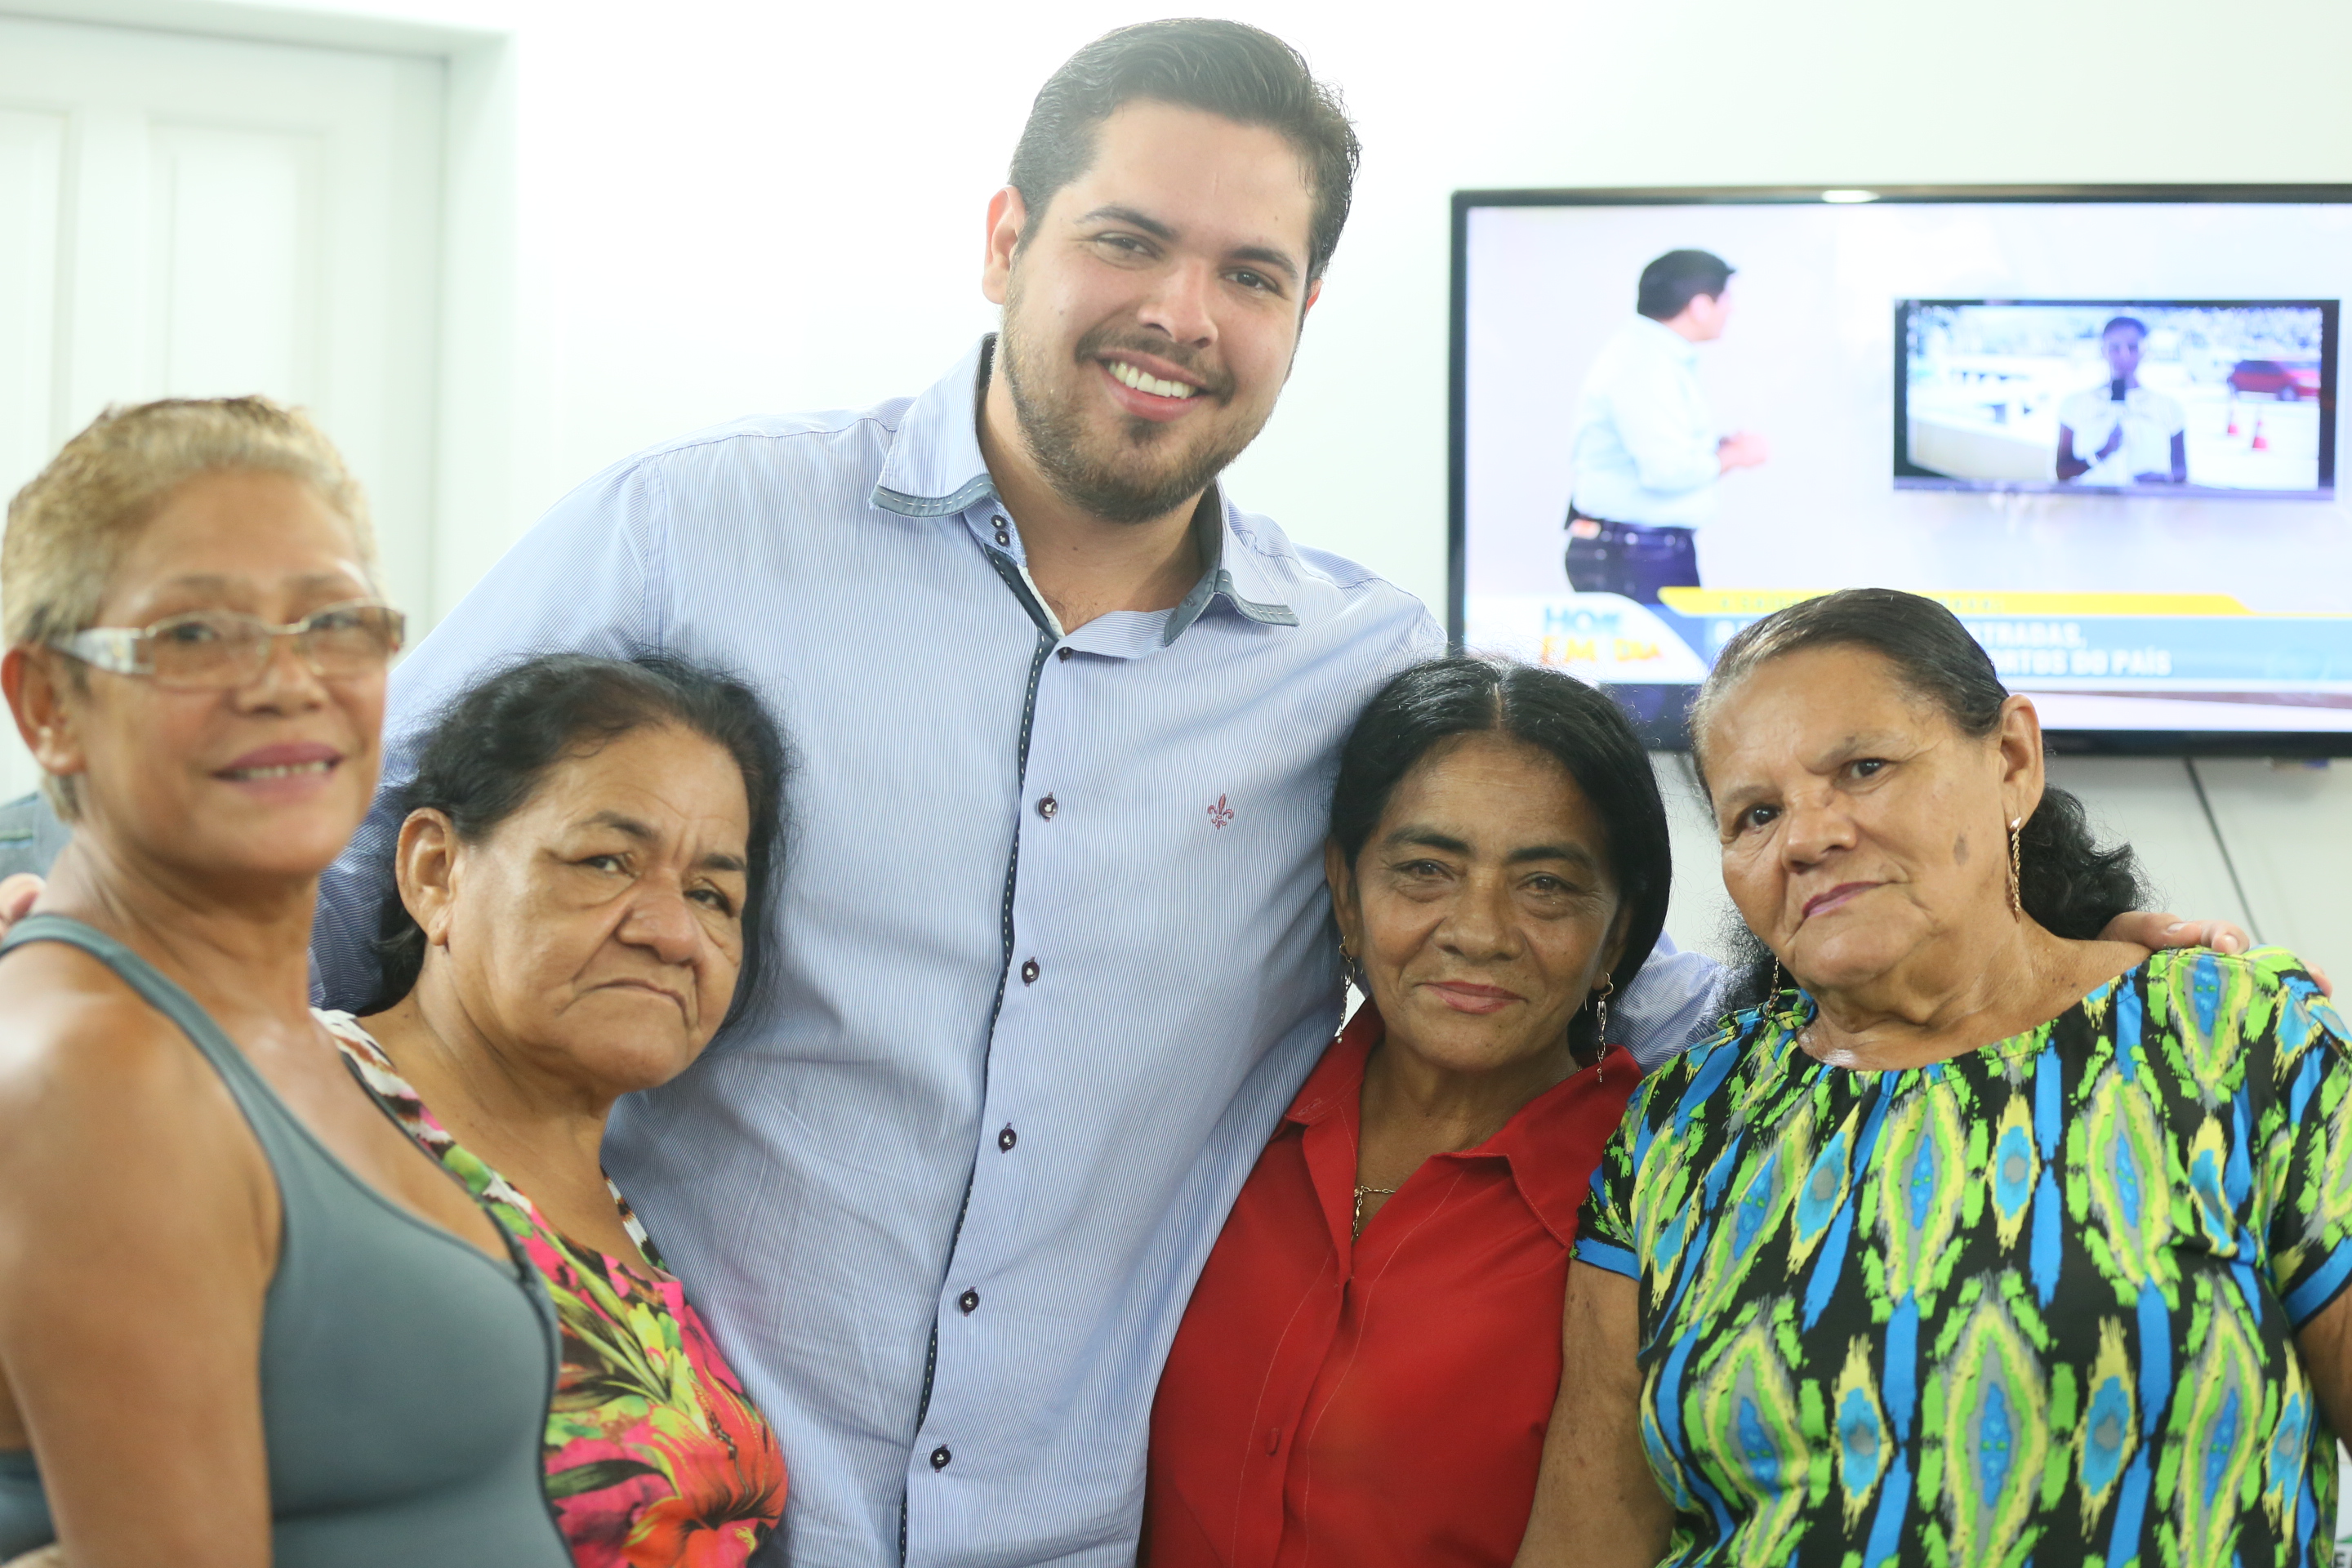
x=2016 y=871
x=1352 y=972
x=1600 y=1022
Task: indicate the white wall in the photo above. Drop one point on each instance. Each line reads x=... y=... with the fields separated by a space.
x=727 y=205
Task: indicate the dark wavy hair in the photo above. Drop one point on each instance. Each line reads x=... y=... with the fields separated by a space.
x=1229 y=68
x=1555 y=713
x=489 y=751
x=2067 y=881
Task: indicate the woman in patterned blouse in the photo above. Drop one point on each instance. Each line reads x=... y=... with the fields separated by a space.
x=583 y=877
x=1986 y=1241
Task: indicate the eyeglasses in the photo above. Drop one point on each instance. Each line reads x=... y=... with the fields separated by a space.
x=210 y=650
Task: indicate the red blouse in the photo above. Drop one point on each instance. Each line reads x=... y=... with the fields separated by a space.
x=1330 y=1404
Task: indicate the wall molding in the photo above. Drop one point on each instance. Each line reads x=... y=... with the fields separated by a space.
x=472 y=484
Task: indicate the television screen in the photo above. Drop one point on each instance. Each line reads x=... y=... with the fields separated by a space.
x=2101 y=425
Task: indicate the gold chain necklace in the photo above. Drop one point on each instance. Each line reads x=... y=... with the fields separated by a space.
x=1361 y=1194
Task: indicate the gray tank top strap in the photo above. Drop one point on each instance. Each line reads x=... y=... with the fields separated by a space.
x=272 y=1123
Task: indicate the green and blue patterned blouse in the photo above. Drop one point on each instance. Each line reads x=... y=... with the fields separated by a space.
x=2036 y=1303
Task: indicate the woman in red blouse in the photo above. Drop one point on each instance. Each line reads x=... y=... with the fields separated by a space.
x=1367 y=1368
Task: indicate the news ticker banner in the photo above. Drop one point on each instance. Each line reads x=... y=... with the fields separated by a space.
x=2154 y=643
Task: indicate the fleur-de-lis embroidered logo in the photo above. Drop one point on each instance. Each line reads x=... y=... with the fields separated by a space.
x=1220 y=814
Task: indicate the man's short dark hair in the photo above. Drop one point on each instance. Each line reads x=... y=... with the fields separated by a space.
x=2134 y=322
x=1671 y=282
x=1229 y=69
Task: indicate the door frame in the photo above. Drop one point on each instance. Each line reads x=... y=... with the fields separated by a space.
x=472 y=486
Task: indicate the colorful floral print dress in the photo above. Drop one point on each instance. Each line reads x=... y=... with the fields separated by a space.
x=656 y=1459
x=2033 y=1304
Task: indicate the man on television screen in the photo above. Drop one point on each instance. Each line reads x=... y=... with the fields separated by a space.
x=1646 y=452
x=2135 y=433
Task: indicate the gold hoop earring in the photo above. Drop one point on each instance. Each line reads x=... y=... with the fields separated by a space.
x=2016 y=869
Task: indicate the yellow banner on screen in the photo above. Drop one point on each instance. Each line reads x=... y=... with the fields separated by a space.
x=1764 y=601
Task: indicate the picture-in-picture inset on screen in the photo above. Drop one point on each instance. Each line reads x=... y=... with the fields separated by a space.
x=2135 y=397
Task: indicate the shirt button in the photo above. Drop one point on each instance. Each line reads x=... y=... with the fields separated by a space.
x=939 y=1457
x=1063 y=653
x=1029 y=971
x=969 y=1301
x=1006 y=1139
x=1003 y=537
x=1048 y=807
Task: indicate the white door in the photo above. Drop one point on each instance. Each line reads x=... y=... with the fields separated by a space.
x=189 y=216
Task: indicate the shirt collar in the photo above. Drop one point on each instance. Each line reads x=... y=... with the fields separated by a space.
x=1336 y=1084
x=1668 y=340
x=1232 y=571
x=935 y=469
x=1531 y=1141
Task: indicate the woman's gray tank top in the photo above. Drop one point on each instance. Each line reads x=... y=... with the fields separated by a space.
x=405 y=1374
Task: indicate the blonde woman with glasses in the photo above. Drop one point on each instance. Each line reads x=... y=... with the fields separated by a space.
x=243 y=1319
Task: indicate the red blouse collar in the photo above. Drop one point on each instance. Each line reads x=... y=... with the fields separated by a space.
x=1532 y=1142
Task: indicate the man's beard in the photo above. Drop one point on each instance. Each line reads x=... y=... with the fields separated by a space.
x=1096 y=482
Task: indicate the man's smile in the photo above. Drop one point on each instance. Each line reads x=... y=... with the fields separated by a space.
x=1139 y=392
x=1127 y=375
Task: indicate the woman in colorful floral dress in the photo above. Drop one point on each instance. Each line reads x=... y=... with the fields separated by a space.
x=583 y=867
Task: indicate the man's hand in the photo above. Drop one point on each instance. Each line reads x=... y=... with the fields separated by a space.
x=1742 y=449
x=16 y=896
x=2114 y=440
x=2152 y=930
x=2144 y=929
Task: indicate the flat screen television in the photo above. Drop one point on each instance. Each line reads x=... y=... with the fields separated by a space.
x=2100 y=423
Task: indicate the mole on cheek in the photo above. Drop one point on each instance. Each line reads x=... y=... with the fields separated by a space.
x=1961 y=851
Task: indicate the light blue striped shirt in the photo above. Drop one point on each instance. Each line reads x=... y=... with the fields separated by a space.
x=1052 y=955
